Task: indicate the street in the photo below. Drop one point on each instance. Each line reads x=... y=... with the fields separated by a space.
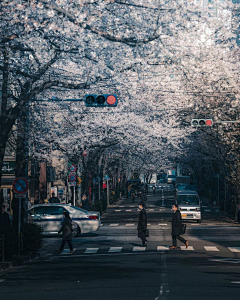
x=110 y=264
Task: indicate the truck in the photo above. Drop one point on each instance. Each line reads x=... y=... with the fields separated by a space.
x=171 y=176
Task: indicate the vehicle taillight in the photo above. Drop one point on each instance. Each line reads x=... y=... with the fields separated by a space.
x=93 y=217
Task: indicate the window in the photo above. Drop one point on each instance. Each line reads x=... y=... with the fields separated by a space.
x=54 y=210
x=188 y=199
x=37 y=211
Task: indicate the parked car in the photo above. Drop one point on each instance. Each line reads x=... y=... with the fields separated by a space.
x=49 y=217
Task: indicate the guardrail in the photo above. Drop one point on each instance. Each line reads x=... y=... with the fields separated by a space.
x=2 y=247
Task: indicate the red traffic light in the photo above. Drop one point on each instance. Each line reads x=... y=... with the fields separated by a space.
x=209 y=122
x=111 y=99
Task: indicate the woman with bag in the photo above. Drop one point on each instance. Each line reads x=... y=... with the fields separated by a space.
x=177 y=228
x=67 y=230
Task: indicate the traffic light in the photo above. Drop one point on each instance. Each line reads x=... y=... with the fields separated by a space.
x=103 y=100
x=201 y=122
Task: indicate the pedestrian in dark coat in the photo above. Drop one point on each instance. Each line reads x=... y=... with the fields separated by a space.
x=177 y=228
x=142 y=224
x=67 y=230
x=53 y=199
x=5 y=220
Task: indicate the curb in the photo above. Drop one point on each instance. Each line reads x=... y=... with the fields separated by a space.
x=18 y=261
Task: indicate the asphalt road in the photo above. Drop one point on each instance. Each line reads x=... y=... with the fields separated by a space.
x=110 y=264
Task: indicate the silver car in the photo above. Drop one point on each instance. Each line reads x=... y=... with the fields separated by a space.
x=49 y=217
x=189 y=205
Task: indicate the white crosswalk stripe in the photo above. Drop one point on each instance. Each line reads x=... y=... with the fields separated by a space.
x=211 y=248
x=91 y=250
x=234 y=249
x=115 y=249
x=190 y=248
x=130 y=224
x=136 y=248
x=113 y=225
x=128 y=209
x=162 y=248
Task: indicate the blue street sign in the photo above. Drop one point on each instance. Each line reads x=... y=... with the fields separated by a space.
x=106 y=177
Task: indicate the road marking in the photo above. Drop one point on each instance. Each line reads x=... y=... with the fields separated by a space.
x=115 y=249
x=234 y=249
x=121 y=205
x=194 y=224
x=130 y=224
x=117 y=209
x=148 y=224
x=132 y=206
x=190 y=248
x=236 y=282
x=128 y=209
x=211 y=248
x=162 y=248
x=207 y=210
x=113 y=225
x=91 y=250
x=101 y=224
x=151 y=209
x=139 y=248
x=162 y=224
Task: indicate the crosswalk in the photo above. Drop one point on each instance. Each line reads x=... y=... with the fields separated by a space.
x=157 y=248
x=157 y=209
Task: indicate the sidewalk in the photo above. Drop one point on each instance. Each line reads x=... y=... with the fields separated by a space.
x=17 y=261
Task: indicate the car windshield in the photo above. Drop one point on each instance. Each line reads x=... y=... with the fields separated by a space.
x=188 y=199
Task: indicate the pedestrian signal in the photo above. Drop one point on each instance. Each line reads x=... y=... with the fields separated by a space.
x=103 y=100
x=201 y=122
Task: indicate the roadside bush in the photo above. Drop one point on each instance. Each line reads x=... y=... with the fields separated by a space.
x=32 y=237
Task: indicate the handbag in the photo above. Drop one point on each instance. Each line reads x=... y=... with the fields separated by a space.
x=183 y=228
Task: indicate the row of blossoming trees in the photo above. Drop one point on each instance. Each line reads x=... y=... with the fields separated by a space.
x=168 y=62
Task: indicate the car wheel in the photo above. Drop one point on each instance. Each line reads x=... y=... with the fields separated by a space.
x=76 y=231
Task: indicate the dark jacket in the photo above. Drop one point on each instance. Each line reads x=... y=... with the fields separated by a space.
x=66 y=229
x=5 y=220
x=176 y=223
x=53 y=200
x=142 y=222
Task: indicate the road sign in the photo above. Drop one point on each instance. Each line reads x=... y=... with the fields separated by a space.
x=20 y=185
x=72 y=168
x=72 y=178
x=71 y=173
x=21 y=195
x=72 y=183
x=106 y=177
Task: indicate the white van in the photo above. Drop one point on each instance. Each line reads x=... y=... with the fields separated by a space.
x=189 y=205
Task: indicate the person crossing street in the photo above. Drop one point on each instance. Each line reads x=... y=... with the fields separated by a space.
x=142 y=224
x=177 y=228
